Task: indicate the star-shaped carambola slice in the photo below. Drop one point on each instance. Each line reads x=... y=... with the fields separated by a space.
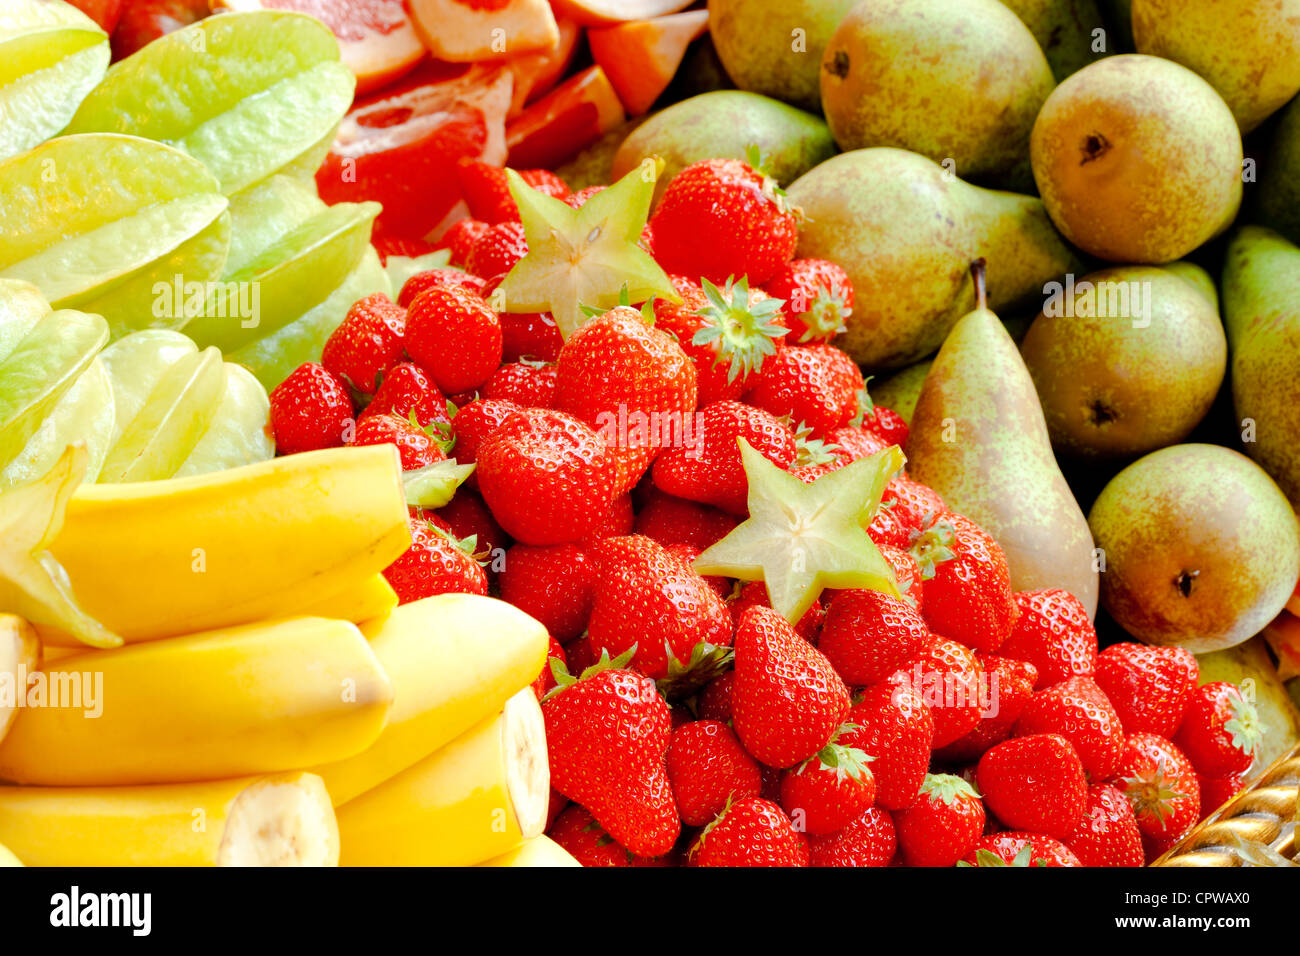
x=801 y=538
x=584 y=256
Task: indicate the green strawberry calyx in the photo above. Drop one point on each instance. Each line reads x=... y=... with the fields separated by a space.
x=947 y=789
x=847 y=762
x=564 y=680
x=988 y=858
x=742 y=333
x=771 y=189
x=933 y=546
x=1244 y=727
x=866 y=407
x=809 y=450
x=1153 y=793
x=825 y=317
x=706 y=662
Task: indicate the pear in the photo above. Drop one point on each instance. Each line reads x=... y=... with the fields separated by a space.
x=959 y=81
x=906 y=231
x=900 y=391
x=775 y=48
x=1278 y=192
x=1137 y=159
x=1118 y=15
x=1066 y=30
x=1126 y=360
x=1261 y=308
x=1248 y=50
x=978 y=438
x=1201 y=548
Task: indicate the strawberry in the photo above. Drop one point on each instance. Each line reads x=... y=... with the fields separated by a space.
x=581 y=654
x=1035 y=783
x=1077 y=710
x=722 y=587
x=867 y=841
x=814 y=384
x=895 y=727
x=950 y=679
x=968 y=598
x=672 y=520
x=913 y=504
x=1010 y=687
x=1053 y=632
x=714 y=701
x=461 y=237
x=708 y=468
x=885 y=423
x=749 y=832
x=454 y=336
x=407 y=391
x=607 y=733
x=755 y=593
x=468 y=516
x=367 y=343
x=618 y=522
x=547 y=477
x=906 y=573
x=418 y=446
x=497 y=250
x=1220 y=732
x=868 y=635
x=646 y=598
x=1161 y=785
x=435 y=563
x=1010 y=848
x=829 y=790
x=576 y=200
x=1148 y=686
x=630 y=381
x=944 y=823
x=526 y=382
x=435 y=279
x=787 y=700
x=310 y=409
x=474 y=422
x=590 y=844
x=487 y=194
x=707 y=767
x=1108 y=834
x=885 y=528
x=818 y=299
x=546 y=679
x=724 y=217
x=553 y=583
x=530 y=335
x=1216 y=791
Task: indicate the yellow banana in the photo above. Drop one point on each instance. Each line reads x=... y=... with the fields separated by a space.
x=476 y=798
x=279 y=820
x=539 y=851
x=364 y=601
x=247 y=700
x=160 y=558
x=20 y=654
x=453 y=659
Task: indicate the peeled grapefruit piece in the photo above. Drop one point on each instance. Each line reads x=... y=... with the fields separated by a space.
x=536 y=72
x=602 y=13
x=400 y=146
x=641 y=57
x=579 y=111
x=467 y=31
x=140 y=22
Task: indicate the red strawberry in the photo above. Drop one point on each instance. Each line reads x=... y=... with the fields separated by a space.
x=829 y=790
x=531 y=335
x=527 y=383
x=467 y=516
x=755 y=593
x=787 y=700
x=707 y=766
x=1108 y=834
x=969 y=597
x=546 y=679
x=1161 y=785
x=485 y=189
x=1053 y=632
x=367 y=343
x=474 y=422
x=708 y=468
x=435 y=563
x=417 y=446
x=867 y=841
x=714 y=701
x=868 y=635
x=497 y=250
x=581 y=654
x=405 y=391
x=886 y=423
x=885 y=528
x=553 y=583
x=818 y=299
x=1220 y=732
x=547 y=477
x=608 y=734
x=435 y=279
x=461 y=237
x=1077 y=710
x=1216 y=791
x=750 y=832
x=1035 y=783
x=631 y=382
x=1010 y=848
x=578 y=199
x=722 y=587
x=1010 y=687
x=906 y=573
x=950 y=680
x=913 y=504
x=672 y=520
x=814 y=384
x=721 y=218
x=310 y=409
x=895 y=727
x=618 y=522
x=454 y=336
x=1148 y=686
x=944 y=823
x=577 y=831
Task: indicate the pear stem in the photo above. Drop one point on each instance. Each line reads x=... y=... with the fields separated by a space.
x=977 y=274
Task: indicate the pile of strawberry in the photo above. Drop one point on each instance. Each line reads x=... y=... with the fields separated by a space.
x=960 y=722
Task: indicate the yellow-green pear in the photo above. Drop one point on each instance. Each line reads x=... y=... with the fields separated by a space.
x=1278 y=192
x=1070 y=32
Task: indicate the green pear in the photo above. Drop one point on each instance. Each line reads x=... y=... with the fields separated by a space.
x=959 y=81
x=1246 y=49
x=900 y=391
x=978 y=438
x=906 y=230
x=1261 y=307
x=1126 y=360
x=1201 y=548
x=1138 y=160
x=1278 y=192
x=1066 y=30
x=775 y=48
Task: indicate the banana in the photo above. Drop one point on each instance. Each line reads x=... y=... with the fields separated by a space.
x=255 y=699
x=454 y=659
x=160 y=558
x=539 y=851
x=278 y=820
x=476 y=798
x=20 y=654
x=364 y=601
